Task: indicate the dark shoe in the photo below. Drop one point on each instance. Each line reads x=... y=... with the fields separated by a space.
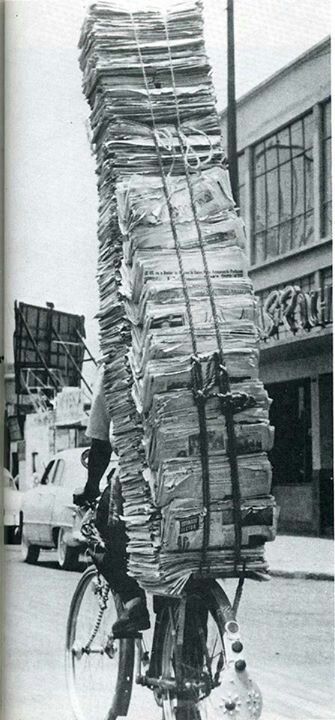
x=133 y=619
x=84 y=498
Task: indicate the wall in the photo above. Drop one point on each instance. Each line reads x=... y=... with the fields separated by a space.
x=296 y=508
x=38 y=439
x=300 y=87
x=285 y=95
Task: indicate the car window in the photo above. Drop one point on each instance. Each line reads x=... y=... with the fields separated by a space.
x=58 y=475
x=46 y=477
x=75 y=475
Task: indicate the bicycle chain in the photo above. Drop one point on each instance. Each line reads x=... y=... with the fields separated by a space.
x=103 y=590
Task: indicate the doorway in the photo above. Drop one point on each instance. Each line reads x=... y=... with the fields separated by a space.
x=326 y=492
x=290 y=413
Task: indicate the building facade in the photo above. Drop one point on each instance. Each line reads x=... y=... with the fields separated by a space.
x=40 y=434
x=284 y=159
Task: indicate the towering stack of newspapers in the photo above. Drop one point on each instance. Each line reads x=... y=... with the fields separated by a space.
x=170 y=245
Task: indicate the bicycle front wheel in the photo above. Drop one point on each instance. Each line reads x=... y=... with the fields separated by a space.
x=99 y=669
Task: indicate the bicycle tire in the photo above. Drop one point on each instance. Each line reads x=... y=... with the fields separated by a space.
x=107 y=689
x=206 y=660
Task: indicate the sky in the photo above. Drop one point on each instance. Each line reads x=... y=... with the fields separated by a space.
x=50 y=182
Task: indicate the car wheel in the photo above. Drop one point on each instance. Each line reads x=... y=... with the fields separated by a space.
x=29 y=553
x=67 y=556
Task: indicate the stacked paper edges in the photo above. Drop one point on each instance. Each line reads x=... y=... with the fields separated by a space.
x=145 y=333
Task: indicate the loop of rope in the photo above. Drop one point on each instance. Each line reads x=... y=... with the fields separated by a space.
x=209 y=140
x=165 y=139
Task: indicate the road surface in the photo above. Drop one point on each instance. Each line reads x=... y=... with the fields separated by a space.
x=287 y=629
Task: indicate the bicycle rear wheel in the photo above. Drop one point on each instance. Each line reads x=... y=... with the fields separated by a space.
x=99 y=669
x=212 y=676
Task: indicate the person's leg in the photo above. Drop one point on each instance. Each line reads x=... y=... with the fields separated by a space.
x=113 y=566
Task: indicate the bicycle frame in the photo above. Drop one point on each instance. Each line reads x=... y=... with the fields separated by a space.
x=151 y=678
x=182 y=634
x=163 y=606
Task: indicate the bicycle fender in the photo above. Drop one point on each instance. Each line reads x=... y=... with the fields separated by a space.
x=124 y=683
x=162 y=620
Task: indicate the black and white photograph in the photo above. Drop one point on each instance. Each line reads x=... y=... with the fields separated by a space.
x=167 y=496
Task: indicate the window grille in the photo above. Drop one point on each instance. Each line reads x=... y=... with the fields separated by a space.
x=327 y=170
x=283 y=217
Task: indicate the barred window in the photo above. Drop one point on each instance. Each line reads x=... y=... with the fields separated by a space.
x=283 y=191
x=327 y=170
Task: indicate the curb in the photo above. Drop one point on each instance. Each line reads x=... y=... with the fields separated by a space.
x=302 y=575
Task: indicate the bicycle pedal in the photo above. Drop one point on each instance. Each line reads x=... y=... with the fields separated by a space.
x=128 y=635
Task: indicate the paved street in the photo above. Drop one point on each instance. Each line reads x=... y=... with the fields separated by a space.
x=287 y=628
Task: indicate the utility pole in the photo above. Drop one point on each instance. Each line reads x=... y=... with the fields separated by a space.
x=231 y=105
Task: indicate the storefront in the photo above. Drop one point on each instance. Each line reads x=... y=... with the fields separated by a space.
x=285 y=196
x=298 y=376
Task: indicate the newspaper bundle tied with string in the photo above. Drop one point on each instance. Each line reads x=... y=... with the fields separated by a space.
x=178 y=322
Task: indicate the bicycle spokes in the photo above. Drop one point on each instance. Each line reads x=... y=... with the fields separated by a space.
x=207 y=672
x=92 y=653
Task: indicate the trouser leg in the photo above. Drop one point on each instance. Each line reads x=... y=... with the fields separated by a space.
x=114 y=568
x=114 y=564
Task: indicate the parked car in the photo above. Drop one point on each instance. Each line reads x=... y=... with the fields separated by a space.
x=12 y=507
x=49 y=518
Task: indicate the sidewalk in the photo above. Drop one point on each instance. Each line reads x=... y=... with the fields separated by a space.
x=301 y=557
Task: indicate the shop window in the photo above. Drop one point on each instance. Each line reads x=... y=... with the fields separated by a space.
x=283 y=191
x=327 y=170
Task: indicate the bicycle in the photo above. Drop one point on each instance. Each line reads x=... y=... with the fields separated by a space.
x=195 y=669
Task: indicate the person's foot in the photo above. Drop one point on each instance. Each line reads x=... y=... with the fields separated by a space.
x=133 y=619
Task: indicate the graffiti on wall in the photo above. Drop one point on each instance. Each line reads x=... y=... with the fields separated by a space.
x=294 y=309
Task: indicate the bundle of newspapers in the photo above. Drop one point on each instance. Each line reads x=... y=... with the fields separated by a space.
x=175 y=300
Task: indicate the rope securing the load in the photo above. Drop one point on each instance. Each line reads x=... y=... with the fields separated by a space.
x=221 y=371
x=200 y=390
x=166 y=193
x=196 y=370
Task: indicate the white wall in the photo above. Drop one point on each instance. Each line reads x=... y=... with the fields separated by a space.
x=38 y=438
x=283 y=97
